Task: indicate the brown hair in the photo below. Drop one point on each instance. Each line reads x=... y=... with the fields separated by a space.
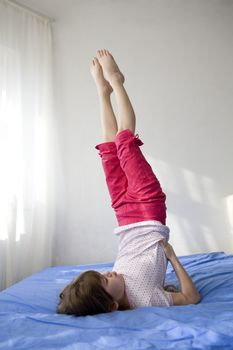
x=86 y=296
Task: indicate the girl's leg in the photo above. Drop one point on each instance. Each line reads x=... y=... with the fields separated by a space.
x=144 y=199
x=115 y=177
x=104 y=89
x=126 y=115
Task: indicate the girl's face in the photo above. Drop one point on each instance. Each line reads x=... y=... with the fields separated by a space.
x=114 y=284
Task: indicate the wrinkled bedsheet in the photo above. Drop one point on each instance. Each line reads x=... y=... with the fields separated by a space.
x=28 y=318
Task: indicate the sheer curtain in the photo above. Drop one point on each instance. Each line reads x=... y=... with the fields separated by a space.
x=27 y=144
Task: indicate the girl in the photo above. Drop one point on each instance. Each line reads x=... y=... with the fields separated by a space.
x=139 y=271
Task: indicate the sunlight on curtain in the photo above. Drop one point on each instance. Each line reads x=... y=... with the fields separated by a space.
x=27 y=144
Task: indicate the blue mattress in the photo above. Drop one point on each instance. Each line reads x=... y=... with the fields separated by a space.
x=28 y=318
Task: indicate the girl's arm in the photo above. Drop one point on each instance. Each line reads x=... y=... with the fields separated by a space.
x=189 y=293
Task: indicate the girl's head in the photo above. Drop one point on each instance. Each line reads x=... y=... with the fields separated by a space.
x=92 y=293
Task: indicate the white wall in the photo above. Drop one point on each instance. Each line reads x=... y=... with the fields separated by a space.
x=177 y=59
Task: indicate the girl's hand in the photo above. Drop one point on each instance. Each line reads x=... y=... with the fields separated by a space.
x=168 y=250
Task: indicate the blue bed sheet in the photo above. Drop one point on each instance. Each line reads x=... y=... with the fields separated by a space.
x=28 y=318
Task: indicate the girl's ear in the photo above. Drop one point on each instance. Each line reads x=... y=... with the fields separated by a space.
x=114 y=306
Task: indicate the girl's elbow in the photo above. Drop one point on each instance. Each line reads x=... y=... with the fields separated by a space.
x=195 y=299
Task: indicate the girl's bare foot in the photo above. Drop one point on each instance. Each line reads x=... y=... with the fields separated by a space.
x=102 y=84
x=110 y=68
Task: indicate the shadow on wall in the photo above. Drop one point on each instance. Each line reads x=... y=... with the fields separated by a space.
x=200 y=220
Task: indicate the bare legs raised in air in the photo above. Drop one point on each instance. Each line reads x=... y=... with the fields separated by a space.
x=109 y=78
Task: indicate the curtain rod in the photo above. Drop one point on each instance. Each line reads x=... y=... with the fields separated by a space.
x=29 y=10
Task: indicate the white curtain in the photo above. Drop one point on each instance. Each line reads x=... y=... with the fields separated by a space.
x=27 y=144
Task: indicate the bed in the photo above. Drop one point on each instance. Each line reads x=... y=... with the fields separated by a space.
x=28 y=318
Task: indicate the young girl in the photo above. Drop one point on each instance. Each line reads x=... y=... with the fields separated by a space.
x=139 y=271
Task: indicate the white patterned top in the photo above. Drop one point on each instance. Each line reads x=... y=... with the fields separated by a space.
x=142 y=262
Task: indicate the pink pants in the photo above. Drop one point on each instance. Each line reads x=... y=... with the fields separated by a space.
x=135 y=191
